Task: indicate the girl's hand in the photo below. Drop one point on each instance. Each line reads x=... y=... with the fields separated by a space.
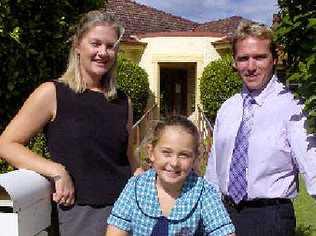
x=64 y=188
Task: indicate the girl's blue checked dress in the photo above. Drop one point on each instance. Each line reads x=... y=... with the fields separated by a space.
x=198 y=209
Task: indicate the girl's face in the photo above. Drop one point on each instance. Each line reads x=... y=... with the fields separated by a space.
x=173 y=156
x=97 y=51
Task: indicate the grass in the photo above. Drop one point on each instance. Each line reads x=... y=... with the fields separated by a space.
x=305 y=210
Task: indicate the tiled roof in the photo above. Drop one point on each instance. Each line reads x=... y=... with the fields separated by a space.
x=226 y=26
x=181 y=34
x=139 y=19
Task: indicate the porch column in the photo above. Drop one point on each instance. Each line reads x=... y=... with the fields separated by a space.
x=199 y=71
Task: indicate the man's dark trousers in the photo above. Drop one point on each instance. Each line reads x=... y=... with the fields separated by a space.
x=266 y=217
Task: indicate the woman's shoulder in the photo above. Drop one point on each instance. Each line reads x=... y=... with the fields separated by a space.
x=45 y=91
x=48 y=86
x=41 y=103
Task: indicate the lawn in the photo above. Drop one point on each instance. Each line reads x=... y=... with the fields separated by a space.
x=305 y=210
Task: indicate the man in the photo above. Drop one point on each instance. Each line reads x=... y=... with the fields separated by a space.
x=260 y=143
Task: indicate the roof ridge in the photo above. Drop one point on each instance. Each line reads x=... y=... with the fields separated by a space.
x=140 y=18
x=230 y=18
x=162 y=11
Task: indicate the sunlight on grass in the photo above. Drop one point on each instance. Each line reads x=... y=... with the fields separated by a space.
x=305 y=210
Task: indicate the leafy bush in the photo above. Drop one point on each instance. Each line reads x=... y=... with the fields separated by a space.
x=133 y=80
x=38 y=144
x=297 y=33
x=4 y=167
x=34 y=41
x=34 y=38
x=218 y=83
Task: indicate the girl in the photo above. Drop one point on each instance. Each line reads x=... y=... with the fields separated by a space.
x=87 y=123
x=170 y=199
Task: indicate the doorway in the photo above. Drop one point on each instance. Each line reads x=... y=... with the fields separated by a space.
x=173 y=91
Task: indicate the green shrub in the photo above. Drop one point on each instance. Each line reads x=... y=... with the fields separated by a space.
x=218 y=83
x=133 y=80
x=4 y=167
x=37 y=144
x=34 y=38
x=297 y=34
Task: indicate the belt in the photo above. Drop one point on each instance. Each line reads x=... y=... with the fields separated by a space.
x=259 y=202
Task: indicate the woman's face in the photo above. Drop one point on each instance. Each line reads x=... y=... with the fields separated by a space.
x=97 y=51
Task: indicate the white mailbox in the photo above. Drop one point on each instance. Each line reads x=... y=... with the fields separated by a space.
x=25 y=204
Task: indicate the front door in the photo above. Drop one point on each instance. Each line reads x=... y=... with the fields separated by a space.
x=173 y=91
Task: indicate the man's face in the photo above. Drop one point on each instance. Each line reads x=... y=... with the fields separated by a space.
x=254 y=62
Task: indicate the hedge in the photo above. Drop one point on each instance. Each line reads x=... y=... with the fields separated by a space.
x=218 y=83
x=133 y=80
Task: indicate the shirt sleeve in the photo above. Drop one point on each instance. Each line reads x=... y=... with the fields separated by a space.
x=215 y=218
x=122 y=211
x=210 y=172
x=303 y=149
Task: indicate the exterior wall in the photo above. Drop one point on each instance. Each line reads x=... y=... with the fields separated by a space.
x=198 y=50
x=191 y=90
x=132 y=51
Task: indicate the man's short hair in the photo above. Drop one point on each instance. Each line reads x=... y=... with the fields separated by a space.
x=250 y=29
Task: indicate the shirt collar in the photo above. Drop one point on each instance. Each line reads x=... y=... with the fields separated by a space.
x=146 y=195
x=261 y=95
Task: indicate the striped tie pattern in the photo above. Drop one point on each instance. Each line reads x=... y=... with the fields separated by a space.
x=237 y=187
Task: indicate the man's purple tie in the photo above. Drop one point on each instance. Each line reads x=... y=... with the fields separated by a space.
x=237 y=187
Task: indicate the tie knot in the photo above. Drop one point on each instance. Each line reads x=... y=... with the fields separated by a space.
x=248 y=100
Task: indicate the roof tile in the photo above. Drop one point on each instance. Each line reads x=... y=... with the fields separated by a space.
x=141 y=19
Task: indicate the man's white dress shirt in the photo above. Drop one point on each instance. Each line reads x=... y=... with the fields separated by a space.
x=279 y=146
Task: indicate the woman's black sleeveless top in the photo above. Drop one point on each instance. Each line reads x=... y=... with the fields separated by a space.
x=89 y=137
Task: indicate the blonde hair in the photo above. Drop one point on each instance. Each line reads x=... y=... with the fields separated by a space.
x=250 y=29
x=72 y=77
x=176 y=121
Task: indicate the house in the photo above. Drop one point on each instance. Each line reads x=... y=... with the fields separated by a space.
x=172 y=50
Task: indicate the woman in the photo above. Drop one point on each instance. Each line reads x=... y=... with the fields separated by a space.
x=87 y=124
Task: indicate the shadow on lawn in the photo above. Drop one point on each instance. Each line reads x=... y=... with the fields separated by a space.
x=304 y=230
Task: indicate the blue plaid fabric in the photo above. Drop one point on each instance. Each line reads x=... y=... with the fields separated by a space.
x=237 y=187
x=198 y=209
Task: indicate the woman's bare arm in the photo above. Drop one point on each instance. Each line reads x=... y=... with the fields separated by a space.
x=36 y=112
